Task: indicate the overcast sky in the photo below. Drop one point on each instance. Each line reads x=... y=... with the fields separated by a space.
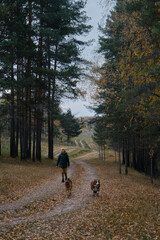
x=95 y=11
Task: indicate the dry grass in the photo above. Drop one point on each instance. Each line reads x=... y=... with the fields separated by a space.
x=45 y=205
x=18 y=178
x=128 y=208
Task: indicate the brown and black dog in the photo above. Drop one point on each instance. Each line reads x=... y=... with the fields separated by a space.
x=95 y=186
x=68 y=185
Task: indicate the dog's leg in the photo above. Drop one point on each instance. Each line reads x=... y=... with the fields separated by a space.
x=69 y=193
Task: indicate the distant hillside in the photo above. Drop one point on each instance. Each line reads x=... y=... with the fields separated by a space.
x=89 y=120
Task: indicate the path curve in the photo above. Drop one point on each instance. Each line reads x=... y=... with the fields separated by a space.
x=82 y=145
x=43 y=192
x=76 y=143
x=80 y=197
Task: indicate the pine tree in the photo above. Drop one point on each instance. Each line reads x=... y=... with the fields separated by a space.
x=39 y=65
x=128 y=89
x=100 y=137
x=63 y=21
x=71 y=126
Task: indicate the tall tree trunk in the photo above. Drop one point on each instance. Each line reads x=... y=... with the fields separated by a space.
x=138 y=154
x=53 y=106
x=39 y=92
x=17 y=136
x=38 y=140
x=101 y=152
x=124 y=156
x=52 y=139
x=104 y=153
x=134 y=154
x=12 y=114
x=17 y=123
x=49 y=132
x=151 y=153
x=128 y=152
x=29 y=88
x=29 y=127
x=34 y=140
x=0 y=141
x=126 y=160
x=18 y=93
x=26 y=124
x=49 y=102
x=99 y=148
x=22 y=140
x=119 y=153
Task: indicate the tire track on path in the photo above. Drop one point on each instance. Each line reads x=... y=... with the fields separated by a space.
x=43 y=192
x=82 y=145
x=80 y=197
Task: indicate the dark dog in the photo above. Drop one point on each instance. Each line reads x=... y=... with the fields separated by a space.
x=95 y=186
x=68 y=185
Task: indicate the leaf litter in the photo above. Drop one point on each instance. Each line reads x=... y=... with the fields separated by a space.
x=127 y=208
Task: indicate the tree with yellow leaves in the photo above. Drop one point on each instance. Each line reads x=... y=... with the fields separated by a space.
x=131 y=93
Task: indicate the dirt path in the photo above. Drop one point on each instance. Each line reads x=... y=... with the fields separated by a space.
x=79 y=198
x=76 y=143
x=82 y=145
x=80 y=195
x=127 y=208
x=43 y=192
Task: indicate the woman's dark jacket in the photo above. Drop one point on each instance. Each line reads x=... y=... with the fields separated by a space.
x=63 y=160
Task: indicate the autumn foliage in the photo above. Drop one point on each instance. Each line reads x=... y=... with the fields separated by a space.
x=128 y=84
